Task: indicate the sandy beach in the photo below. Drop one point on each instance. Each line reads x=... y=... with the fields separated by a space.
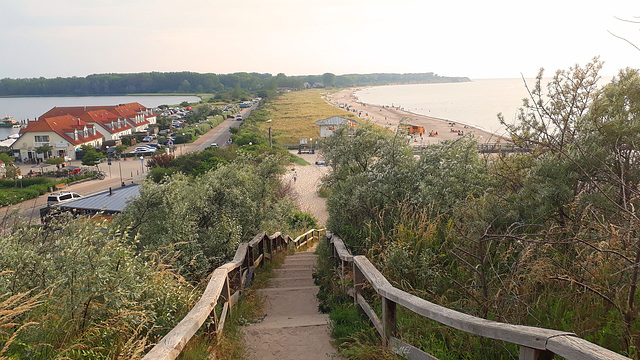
x=390 y=117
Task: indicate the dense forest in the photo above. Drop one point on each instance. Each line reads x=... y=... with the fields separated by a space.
x=547 y=237
x=191 y=82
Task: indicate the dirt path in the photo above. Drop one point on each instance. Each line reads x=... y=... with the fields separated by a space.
x=306 y=186
x=292 y=327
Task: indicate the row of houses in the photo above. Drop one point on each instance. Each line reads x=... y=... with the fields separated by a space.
x=67 y=129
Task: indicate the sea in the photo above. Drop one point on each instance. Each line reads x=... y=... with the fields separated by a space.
x=30 y=108
x=475 y=103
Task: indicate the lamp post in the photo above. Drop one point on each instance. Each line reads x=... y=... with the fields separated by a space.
x=109 y=161
x=142 y=164
x=120 y=168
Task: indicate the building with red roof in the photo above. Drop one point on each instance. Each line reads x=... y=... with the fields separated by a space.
x=110 y=125
x=136 y=115
x=65 y=134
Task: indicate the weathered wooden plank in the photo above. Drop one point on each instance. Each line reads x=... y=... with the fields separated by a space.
x=573 y=347
x=407 y=351
x=529 y=336
x=341 y=250
x=389 y=324
x=172 y=344
x=233 y=300
x=257 y=239
x=376 y=279
x=258 y=261
x=239 y=257
x=370 y=313
x=522 y=335
x=358 y=281
x=223 y=317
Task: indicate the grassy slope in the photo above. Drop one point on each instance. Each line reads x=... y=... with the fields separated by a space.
x=293 y=115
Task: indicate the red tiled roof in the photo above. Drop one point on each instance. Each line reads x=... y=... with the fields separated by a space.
x=103 y=117
x=60 y=125
x=124 y=110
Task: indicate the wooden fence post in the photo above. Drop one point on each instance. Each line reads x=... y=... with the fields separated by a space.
x=226 y=291
x=389 y=324
x=534 y=354
x=358 y=280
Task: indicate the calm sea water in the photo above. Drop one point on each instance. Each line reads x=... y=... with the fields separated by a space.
x=474 y=103
x=25 y=108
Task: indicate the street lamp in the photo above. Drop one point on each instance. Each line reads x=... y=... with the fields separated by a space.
x=142 y=164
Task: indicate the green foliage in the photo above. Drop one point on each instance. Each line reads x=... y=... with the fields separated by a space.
x=92 y=157
x=54 y=161
x=302 y=220
x=6 y=158
x=202 y=220
x=44 y=149
x=95 y=305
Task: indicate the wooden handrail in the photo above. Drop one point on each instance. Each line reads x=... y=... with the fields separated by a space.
x=225 y=284
x=534 y=342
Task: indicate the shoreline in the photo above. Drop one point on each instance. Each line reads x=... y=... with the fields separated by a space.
x=390 y=117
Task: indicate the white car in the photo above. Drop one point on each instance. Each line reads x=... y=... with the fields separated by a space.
x=62 y=196
x=144 y=149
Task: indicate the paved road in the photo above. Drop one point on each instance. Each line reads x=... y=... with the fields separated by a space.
x=131 y=170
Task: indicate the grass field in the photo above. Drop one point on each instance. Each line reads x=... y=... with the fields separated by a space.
x=294 y=114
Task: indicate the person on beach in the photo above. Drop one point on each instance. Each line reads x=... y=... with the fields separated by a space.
x=295 y=176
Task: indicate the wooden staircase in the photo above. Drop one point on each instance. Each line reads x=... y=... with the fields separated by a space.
x=292 y=327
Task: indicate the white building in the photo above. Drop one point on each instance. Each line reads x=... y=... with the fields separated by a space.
x=328 y=125
x=65 y=134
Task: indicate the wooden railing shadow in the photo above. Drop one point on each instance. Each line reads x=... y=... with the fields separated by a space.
x=224 y=287
x=535 y=343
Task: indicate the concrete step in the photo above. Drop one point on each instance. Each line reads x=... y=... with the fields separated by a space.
x=290 y=302
x=282 y=322
x=293 y=272
x=292 y=343
x=299 y=266
x=292 y=281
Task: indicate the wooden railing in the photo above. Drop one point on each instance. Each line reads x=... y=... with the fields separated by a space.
x=535 y=343
x=225 y=287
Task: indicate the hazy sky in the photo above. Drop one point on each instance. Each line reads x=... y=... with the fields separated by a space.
x=479 y=39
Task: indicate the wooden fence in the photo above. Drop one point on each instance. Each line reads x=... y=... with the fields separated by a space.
x=535 y=343
x=224 y=288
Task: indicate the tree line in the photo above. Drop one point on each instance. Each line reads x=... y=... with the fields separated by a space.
x=192 y=82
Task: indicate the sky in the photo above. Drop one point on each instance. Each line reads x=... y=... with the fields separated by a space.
x=477 y=39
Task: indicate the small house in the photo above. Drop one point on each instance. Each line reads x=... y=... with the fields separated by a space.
x=328 y=125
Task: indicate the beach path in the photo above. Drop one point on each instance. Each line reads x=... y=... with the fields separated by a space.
x=293 y=327
x=306 y=185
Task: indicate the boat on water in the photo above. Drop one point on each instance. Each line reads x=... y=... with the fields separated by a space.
x=8 y=121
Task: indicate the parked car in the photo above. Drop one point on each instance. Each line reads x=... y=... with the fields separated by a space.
x=144 y=149
x=147 y=139
x=155 y=145
x=62 y=196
